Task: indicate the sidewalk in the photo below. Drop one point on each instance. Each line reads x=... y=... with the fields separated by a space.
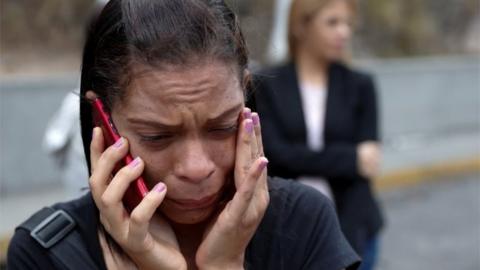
x=434 y=225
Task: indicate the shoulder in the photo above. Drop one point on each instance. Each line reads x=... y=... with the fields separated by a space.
x=301 y=229
x=295 y=196
x=24 y=252
x=298 y=206
x=275 y=73
x=351 y=73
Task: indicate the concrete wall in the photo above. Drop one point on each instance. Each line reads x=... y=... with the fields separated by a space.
x=427 y=97
x=26 y=104
x=419 y=98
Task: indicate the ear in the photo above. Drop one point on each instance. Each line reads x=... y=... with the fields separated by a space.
x=299 y=29
x=247 y=77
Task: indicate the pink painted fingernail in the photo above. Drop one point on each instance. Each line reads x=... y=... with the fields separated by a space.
x=134 y=162
x=263 y=163
x=247 y=114
x=118 y=143
x=255 y=119
x=160 y=187
x=249 y=126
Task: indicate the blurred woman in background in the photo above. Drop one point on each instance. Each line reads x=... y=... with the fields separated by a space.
x=319 y=119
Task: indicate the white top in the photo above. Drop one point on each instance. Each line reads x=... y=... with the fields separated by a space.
x=63 y=141
x=314 y=100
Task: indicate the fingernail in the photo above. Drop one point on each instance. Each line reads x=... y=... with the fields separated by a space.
x=118 y=143
x=263 y=163
x=255 y=119
x=160 y=187
x=249 y=126
x=247 y=114
x=134 y=162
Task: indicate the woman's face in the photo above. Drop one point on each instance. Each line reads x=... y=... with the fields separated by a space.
x=326 y=35
x=182 y=122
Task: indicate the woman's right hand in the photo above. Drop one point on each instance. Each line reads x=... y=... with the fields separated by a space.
x=150 y=245
x=368 y=159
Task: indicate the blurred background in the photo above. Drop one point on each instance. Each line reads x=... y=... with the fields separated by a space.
x=424 y=54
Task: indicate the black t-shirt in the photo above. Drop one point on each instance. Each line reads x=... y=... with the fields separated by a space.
x=299 y=231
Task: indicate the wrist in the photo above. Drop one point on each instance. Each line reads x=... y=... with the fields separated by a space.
x=234 y=264
x=222 y=267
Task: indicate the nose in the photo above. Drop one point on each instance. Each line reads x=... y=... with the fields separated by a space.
x=194 y=163
x=344 y=30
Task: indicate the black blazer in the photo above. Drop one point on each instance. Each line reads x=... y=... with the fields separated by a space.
x=351 y=118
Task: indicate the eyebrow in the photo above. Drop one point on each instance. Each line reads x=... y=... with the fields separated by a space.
x=156 y=124
x=231 y=112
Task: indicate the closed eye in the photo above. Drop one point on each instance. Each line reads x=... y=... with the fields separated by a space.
x=231 y=128
x=155 y=138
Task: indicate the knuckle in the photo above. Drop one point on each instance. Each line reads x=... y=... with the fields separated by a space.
x=105 y=223
x=105 y=200
x=247 y=193
x=246 y=139
x=91 y=182
x=136 y=218
x=245 y=168
x=124 y=173
x=111 y=153
x=265 y=199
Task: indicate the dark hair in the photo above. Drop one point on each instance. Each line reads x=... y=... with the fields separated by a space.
x=154 y=34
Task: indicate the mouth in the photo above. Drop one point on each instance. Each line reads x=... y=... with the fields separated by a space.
x=193 y=204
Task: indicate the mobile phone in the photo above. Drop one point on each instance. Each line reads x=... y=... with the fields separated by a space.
x=137 y=189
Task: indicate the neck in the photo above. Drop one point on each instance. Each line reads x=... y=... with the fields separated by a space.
x=189 y=237
x=310 y=69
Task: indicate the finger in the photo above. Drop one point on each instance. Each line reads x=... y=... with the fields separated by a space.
x=142 y=214
x=243 y=156
x=247 y=114
x=115 y=191
x=104 y=168
x=242 y=198
x=97 y=146
x=262 y=184
x=258 y=134
x=254 y=144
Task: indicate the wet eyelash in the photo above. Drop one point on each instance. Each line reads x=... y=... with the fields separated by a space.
x=155 y=138
x=226 y=129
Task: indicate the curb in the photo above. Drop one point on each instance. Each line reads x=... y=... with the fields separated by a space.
x=4 y=240
x=416 y=175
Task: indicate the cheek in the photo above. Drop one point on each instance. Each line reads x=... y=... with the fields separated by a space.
x=223 y=154
x=157 y=163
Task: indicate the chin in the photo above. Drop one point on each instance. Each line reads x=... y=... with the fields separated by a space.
x=188 y=217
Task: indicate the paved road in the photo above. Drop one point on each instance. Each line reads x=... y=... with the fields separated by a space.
x=435 y=225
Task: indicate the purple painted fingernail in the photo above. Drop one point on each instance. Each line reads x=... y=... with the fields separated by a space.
x=263 y=163
x=118 y=143
x=247 y=114
x=160 y=187
x=255 y=119
x=134 y=162
x=249 y=126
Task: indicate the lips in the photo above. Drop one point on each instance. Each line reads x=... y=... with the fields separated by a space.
x=192 y=204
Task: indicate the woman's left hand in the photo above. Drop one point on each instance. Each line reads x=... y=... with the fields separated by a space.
x=225 y=242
